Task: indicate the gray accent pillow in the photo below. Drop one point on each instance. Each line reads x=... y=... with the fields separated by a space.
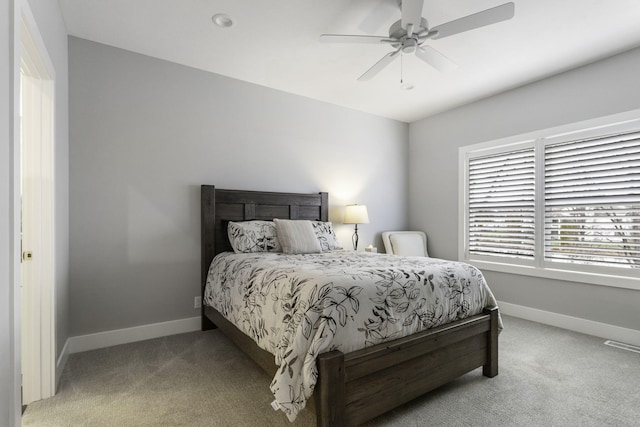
x=253 y=236
x=297 y=236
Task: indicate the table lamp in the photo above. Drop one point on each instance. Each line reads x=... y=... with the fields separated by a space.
x=356 y=214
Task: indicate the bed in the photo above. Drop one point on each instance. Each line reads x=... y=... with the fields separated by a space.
x=356 y=385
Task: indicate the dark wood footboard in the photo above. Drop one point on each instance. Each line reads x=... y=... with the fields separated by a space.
x=355 y=387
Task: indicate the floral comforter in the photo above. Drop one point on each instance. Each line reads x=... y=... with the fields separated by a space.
x=298 y=306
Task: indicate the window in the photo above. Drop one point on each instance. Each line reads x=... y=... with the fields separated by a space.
x=563 y=204
x=502 y=204
x=592 y=201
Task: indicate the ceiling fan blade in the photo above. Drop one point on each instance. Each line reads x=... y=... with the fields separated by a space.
x=373 y=71
x=411 y=14
x=436 y=59
x=345 y=38
x=486 y=17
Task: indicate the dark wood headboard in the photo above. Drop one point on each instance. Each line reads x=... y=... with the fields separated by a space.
x=219 y=206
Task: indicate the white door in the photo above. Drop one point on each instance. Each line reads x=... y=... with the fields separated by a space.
x=36 y=192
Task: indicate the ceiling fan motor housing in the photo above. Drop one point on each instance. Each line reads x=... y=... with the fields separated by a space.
x=401 y=40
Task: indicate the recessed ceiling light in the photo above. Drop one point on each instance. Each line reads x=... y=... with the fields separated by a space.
x=223 y=20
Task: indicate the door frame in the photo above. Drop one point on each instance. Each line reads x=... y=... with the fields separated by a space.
x=38 y=335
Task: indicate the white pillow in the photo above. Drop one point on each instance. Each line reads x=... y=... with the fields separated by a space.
x=326 y=236
x=408 y=244
x=297 y=236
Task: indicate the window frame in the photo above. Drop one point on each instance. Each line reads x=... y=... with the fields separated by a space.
x=627 y=278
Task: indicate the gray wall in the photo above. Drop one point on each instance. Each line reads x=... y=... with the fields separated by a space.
x=602 y=88
x=146 y=133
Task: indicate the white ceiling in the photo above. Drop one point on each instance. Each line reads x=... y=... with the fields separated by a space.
x=274 y=43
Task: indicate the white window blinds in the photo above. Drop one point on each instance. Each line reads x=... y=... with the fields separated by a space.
x=501 y=204
x=592 y=201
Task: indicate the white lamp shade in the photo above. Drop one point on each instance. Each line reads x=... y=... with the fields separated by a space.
x=356 y=214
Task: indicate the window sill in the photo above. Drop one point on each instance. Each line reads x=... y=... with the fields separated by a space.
x=616 y=281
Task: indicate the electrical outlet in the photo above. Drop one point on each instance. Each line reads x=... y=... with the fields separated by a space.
x=197 y=302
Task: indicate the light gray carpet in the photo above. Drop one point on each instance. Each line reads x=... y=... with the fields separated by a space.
x=548 y=377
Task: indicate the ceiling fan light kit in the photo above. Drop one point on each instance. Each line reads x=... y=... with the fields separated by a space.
x=411 y=31
x=223 y=20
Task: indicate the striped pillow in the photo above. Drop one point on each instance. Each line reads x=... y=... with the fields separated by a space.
x=297 y=236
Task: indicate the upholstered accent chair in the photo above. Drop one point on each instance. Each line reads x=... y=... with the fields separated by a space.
x=413 y=243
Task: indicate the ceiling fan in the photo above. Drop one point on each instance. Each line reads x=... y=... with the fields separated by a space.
x=408 y=35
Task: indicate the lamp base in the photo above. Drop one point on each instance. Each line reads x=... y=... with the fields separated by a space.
x=354 y=238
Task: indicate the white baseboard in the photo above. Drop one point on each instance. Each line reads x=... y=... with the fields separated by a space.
x=128 y=335
x=156 y=330
x=589 y=327
x=62 y=362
